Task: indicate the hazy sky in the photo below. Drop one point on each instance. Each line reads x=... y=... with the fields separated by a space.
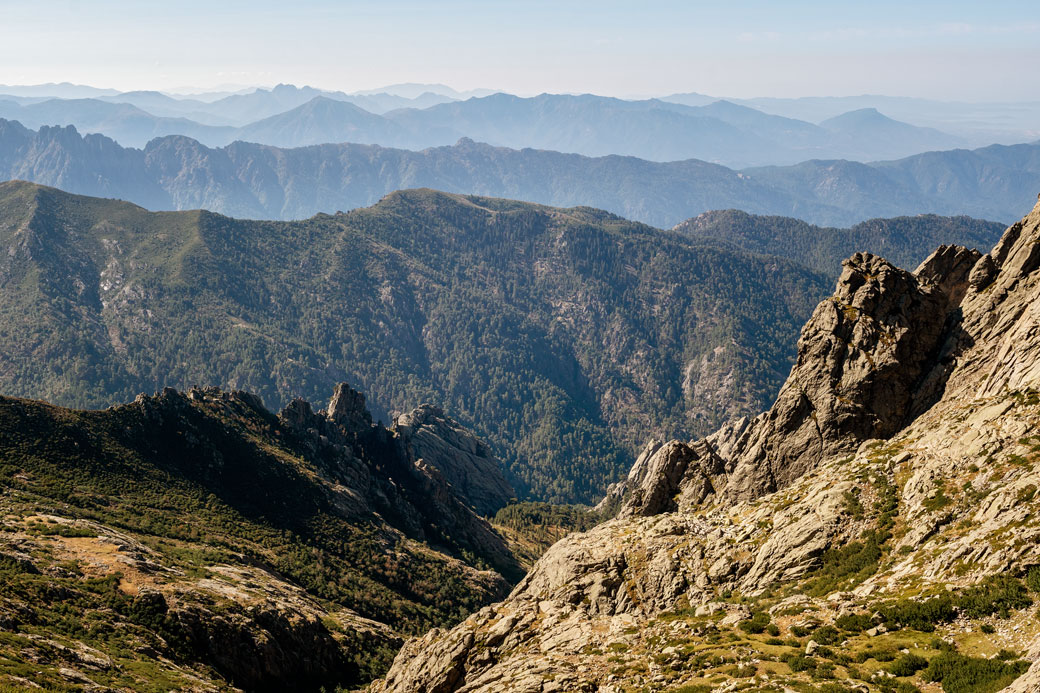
x=950 y=50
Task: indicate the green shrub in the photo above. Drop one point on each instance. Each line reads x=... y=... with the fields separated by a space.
x=1033 y=579
x=852 y=504
x=823 y=670
x=756 y=624
x=937 y=502
x=801 y=631
x=827 y=635
x=961 y=674
x=800 y=663
x=907 y=665
x=884 y=654
x=853 y=623
x=919 y=615
x=849 y=563
x=997 y=594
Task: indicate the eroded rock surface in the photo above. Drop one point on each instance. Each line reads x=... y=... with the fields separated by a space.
x=462 y=459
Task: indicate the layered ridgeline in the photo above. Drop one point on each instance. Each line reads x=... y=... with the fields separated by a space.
x=264 y=182
x=877 y=529
x=722 y=132
x=563 y=337
x=198 y=541
x=903 y=241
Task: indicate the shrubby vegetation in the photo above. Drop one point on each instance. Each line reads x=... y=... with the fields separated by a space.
x=997 y=594
x=961 y=674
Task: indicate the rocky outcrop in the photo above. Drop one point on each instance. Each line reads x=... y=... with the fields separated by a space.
x=460 y=457
x=399 y=473
x=870 y=358
x=347 y=410
x=859 y=359
x=669 y=477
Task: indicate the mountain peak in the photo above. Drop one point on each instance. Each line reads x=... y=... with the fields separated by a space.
x=859 y=117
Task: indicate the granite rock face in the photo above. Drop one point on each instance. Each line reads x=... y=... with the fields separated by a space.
x=670 y=476
x=860 y=358
x=870 y=358
x=347 y=410
x=461 y=458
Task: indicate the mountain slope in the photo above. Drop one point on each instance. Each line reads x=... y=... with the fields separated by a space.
x=588 y=125
x=259 y=104
x=875 y=530
x=554 y=333
x=127 y=124
x=561 y=336
x=258 y=181
x=196 y=539
x=323 y=120
x=881 y=137
x=984 y=183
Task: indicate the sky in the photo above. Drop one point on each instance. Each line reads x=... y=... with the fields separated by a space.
x=965 y=51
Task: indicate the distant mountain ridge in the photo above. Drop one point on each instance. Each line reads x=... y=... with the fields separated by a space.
x=256 y=181
x=980 y=123
x=652 y=129
x=904 y=241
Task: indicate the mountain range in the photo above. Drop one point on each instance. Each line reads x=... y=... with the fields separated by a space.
x=721 y=132
x=254 y=181
x=979 y=122
x=563 y=337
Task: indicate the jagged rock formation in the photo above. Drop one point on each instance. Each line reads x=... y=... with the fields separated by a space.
x=666 y=477
x=461 y=458
x=420 y=496
x=901 y=458
x=862 y=358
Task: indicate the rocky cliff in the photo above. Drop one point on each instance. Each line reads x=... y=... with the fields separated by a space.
x=886 y=503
